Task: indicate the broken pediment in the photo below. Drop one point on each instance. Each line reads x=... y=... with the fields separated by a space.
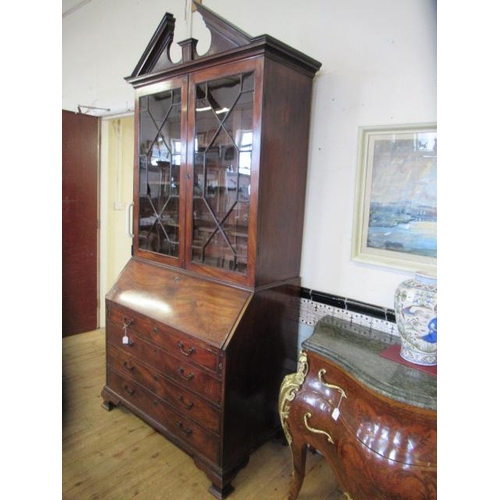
x=156 y=58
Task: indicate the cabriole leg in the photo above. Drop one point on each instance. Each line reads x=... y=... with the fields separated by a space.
x=299 y=452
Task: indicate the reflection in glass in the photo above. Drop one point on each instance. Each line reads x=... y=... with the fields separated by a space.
x=159 y=162
x=222 y=171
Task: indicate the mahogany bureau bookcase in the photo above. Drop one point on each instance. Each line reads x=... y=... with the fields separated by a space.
x=373 y=419
x=202 y=323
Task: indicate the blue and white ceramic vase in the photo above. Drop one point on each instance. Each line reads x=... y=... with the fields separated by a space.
x=415 y=305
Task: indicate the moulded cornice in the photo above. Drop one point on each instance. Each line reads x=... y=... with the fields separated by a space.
x=227 y=42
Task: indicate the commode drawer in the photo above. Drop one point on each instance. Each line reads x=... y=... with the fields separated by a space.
x=184 y=429
x=182 y=400
x=375 y=422
x=181 y=371
x=180 y=345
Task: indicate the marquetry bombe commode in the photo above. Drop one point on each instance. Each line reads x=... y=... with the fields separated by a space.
x=374 y=420
x=202 y=323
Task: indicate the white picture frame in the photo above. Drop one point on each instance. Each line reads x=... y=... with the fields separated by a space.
x=395 y=213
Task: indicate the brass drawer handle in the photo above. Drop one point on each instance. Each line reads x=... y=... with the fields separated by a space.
x=190 y=351
x=330 y=386
x=307 y=416
x=128 y=367
x=129 y=391
x=188 y=406
x=185 y=377
x=127 y=322
x=336 y=410
x=186 y=431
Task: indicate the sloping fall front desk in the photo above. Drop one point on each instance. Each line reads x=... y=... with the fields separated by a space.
x=373 y=419
x=200 y=361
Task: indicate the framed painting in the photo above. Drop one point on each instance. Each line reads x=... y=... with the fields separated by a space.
x=395 y=216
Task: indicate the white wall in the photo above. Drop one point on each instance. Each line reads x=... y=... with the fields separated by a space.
x=379 y=68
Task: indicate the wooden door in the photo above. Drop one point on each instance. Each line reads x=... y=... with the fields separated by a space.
x=80 y=168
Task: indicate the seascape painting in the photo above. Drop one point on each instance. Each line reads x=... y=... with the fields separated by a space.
x=397 y=197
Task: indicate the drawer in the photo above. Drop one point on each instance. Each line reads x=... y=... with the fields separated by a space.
x=311 y=415
x=185 y=430
x=310 y=419
x=406 y=434
x=176 y=343
x=184 y=401
x=181 y=371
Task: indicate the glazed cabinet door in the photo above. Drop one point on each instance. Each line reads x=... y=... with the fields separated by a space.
x=223 y=119
x=160 y=172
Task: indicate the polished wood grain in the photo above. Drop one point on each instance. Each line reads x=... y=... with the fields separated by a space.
x=282 y=94
x=164 y=296
x=234 y=368
x=117 y=456
x=237 y=325
x=393 y=443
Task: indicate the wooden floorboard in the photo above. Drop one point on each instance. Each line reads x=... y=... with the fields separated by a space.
x=116 y=456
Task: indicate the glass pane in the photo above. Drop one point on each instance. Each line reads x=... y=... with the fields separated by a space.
x=159 y=161
x=222 y=171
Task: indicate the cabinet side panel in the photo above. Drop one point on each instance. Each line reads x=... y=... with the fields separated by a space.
x=283 y=171
x=261 y=352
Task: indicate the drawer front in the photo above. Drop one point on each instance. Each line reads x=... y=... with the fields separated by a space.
x=184 y=401
x=180 y=370
x=405 y=434
x=176 y=343
x=184 y=429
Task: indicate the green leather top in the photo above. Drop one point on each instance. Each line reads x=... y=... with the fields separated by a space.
x=357 y=350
